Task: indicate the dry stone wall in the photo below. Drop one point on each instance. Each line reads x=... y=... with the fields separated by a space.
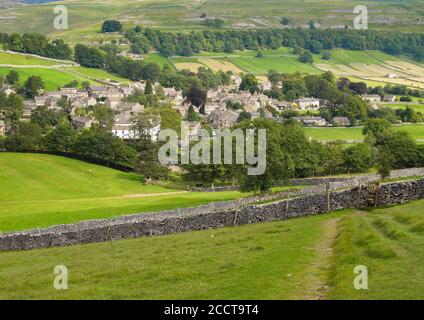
x=224 y=214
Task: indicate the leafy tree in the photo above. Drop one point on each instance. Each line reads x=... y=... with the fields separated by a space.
x=111 y=26
x=89 y=57
x=306 y=57
x=27 y=137
x=45 y=118
x=33 y=86
x=12 y=77
x=358 y=158
x=61 y=138
x=147 y=163
x=249 y=83
x=102 y=145
x=376 y=129
x=326 y=55
x=192 y=115
x=197 y=96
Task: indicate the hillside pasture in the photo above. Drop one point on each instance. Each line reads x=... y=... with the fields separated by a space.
x=25 y=60
x=42 y=190
x=305 y=258
x=221 y=65
x=52 y=77
x=348 y=134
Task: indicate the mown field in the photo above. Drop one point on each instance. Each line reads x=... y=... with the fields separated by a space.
x=20 y=59
x=41 y=190
x=348 y=134
x=304 y=258
x=52 y=75
x=85 y=18
x=371 y=67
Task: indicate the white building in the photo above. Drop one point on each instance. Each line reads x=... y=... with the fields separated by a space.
x=307 y=103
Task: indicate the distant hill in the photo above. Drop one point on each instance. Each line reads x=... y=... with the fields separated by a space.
x=37 y=1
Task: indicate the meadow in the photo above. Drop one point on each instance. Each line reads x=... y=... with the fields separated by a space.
x=348 y=134
x=53 y=78
x=85 y=18
x=26 y=60
x=42 y=190
x=304 y=258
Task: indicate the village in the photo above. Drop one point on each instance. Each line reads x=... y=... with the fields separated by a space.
x=217 y=112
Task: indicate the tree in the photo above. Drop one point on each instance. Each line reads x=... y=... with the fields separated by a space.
x=12 y=77
x=306 y=57
x=147 y=163
x=376 y=129
x=45 y=118
x=151 y=72
x=148 y=89
x=144 y=122
x=12 y=110
x=244 y=116
x=27 y=137
x=197 y=96
x=33 y=86
x=61 y=138
x=326 y=55
x=104 y=116
x=192 y=115
x=384 y=163
x=358 y=158
x=402 y=148
x=249 y=83
x=89 y=57
x=285 y=21
x=111 y=26
x=97 y=144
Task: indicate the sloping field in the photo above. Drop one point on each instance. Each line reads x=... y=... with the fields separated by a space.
x=42 y=190
x=349 y=134
x=192 y=66
x=53 y=78
x=306 y=258
x=281 y=64
x=18 y=59
x=220 y=65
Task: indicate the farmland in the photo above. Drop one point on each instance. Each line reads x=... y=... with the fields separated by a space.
x=83 y=191
x=371 y=67
x=349 y=134
x=304 y=258
x=182 y=15
x=53 y=78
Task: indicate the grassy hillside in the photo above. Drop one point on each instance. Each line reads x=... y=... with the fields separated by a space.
x=42 y=190
x=327 y=134
x=85 y=17
x=20 y=59
x=53 y=78
x=305 y=258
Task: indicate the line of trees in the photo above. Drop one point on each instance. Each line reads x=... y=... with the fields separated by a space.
x=314 y=40
x=35 y=43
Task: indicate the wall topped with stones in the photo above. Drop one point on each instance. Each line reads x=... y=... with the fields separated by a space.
x=223 y=214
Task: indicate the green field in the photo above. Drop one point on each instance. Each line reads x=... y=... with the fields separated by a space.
x=85 y=18
x=20 y=59
x=283 y=64
x=331 y=134
x=97 y=74
x=53 y=78
x=63 y=190
x=304 y=258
